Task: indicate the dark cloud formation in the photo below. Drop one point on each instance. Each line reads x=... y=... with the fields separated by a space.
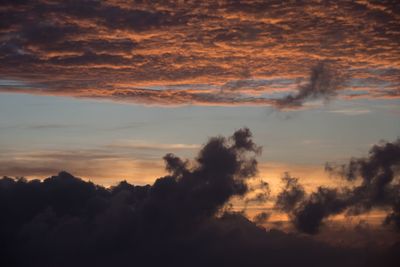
x=65 y=221
x=377 y=186
x=211 y=53
x=324 y=83
x=261 y=217
x=291 y=194
x=261 y=193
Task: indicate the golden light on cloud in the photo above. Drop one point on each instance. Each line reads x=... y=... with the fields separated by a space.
x=114 y=118
x=251 y=41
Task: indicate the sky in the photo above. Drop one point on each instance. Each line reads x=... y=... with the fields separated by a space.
x=104 y=90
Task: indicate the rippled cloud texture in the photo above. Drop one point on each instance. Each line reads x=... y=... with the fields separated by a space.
x=213 y=53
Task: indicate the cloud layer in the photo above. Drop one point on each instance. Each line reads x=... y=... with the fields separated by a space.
x=179 y=53
x=180 y=220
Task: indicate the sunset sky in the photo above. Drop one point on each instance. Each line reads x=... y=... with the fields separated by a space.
x=85 y=89
x=105 y=89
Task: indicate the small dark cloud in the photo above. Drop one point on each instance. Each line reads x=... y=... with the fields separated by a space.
x=291 y=194
x=324 y=83
x=261 y=193
x=261 y=218
x=308 y=216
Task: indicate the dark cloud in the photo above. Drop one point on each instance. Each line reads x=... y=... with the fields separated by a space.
x=45 y=33
x=308 y=216
x=377 y=186
x=291 y=194
x=119 y=46
x=261 y=217
x=261 y=193
x=324 y=82
x=65 y=221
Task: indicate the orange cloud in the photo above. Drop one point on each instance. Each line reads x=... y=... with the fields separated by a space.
x=101 y=45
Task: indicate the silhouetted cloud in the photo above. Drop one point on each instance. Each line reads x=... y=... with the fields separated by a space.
x=177 y=221
x=378 y=175
x=261 y=217
x=324 y=82
x=291 y=195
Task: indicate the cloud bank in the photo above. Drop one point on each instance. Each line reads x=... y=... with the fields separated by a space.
x=186 y=53
x=180 y=220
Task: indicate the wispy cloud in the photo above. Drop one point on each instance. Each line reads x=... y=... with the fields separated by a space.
x=107 y=165
x=351 y=112
x=143 y=145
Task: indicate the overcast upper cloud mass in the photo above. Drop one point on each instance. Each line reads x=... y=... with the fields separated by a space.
x=209 y=53
x=181 y=219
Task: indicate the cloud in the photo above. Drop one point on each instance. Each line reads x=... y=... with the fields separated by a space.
x=244 y=53
x=108 y=165
x=179 y=220
x=142 y=145
x=292 y=194
x=378 y=187
x=261 y=217
x=351 y=112
x=324 y=83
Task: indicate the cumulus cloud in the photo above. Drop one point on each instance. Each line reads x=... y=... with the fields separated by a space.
x=177 y=221
x=377 y=186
